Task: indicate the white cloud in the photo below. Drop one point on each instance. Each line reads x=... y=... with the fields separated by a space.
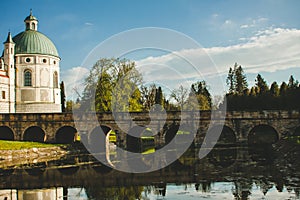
x=88 y=24
x=215 y=15
x=73 y=79
x=268 y=51
x=258 y=22
x=228 y=22
x=244 y=26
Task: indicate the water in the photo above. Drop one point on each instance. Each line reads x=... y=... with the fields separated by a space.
x=265 y=172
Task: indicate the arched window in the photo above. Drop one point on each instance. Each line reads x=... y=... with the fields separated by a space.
x=27 y=78
x=55 y=80
x=33 y=26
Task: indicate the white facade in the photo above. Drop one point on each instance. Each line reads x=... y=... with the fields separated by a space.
x=29 y=73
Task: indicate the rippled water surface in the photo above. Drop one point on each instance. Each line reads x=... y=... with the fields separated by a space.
x=264 y=172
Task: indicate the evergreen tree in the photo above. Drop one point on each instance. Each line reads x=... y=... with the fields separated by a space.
x=274 y=89
x=261 y=84
x=253 y=91
x=240 y=80
x=236 y=80
x=283 y=89
x=62 y=97
x=292 y=83
x=159 y=98
x=230 y=81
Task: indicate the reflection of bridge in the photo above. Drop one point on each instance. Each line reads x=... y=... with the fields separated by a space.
x=240 y=126
x=240 y=168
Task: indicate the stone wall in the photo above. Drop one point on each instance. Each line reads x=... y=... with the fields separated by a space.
x=284 y=122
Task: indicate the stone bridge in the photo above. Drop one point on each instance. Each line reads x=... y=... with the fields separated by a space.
x=235 y=126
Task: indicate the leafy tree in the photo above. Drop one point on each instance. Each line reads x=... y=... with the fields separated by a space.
x=70 y=105
x=203 y=97
x=112 y=84
x=148 y=96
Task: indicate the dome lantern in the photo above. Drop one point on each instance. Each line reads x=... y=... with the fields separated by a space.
x=31 y=22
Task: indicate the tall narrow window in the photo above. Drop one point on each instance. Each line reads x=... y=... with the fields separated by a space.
x=33 y=26
x=3 y=94
x=55 y=80
x=27 y=78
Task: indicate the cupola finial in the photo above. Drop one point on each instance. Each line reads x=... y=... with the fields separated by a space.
x=31 y=22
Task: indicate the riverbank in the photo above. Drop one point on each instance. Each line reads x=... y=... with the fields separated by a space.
x=13 y=153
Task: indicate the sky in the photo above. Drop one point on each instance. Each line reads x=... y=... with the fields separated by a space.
x=262 y=36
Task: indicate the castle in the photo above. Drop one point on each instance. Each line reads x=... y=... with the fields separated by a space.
x=29 y=72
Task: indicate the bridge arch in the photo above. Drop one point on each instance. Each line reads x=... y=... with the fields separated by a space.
x=95 y=137
x=6 y=133
x=139 y=139
x=102 y=169
x=68 y=171
x=184 y=134
x=263 y=134
x=66 y=135
x=227 y=136
x=171 y=132
x=34 y=134
x=37 y=170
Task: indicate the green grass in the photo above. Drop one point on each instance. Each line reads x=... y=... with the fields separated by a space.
x=16 y=145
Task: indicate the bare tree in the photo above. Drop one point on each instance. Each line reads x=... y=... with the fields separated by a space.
x=180 y=95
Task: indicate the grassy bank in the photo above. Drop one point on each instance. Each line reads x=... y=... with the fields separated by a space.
x=16 y=145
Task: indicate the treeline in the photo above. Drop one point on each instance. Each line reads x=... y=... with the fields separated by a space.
x=116 y=85
x=261 y=96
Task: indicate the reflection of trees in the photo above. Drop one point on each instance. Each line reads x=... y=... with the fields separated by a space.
x=264 y=185
x=188 y=158
x=203 y=186
x=297 y=193
x=222 y=157
x=112 y=193
x=263 y=154
x=242 y=189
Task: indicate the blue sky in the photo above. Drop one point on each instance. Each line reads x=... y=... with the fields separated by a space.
x=228 y=30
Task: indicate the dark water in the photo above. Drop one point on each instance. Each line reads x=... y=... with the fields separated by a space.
x=260 y=172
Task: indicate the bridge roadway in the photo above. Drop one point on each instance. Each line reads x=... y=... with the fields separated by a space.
x=60 y=127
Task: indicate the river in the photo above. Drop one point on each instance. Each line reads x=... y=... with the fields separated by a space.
x=241 y=172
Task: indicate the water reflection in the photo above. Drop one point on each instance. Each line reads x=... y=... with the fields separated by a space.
x=226 y=173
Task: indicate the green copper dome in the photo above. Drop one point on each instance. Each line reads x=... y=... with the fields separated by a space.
x=34 y=42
